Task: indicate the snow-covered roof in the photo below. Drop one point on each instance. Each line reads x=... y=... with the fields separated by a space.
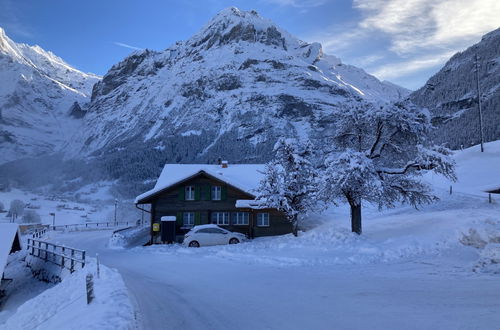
x=245 y=177
x=250 y=204
x=8 y=232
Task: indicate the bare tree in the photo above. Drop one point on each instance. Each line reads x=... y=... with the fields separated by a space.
x=16 y=209
x=378 y=155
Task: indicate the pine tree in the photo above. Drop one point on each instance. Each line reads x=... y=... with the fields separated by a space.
x=289 y=179
x=378 y=155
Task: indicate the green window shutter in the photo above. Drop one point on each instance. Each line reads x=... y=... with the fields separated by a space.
x=197 y=193
x=179 y=219
x=204 y=218
x=207 y=192
x=197 y=219
x=223 y=193
x=182 y=193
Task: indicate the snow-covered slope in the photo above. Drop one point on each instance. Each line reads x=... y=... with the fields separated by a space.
x=229 y=90
x=451 y=94
x=476 y=171
x=36 y=92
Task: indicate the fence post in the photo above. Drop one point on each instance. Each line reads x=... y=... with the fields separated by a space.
x=489 y=198
x=83 y=259
x=90 y=288
x=97 y=258
x=72 y=261
x=451 y=189
x=62 y=257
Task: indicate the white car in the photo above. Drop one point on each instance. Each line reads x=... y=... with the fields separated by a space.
x=205 y=235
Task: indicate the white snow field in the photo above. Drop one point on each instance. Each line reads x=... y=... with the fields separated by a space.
x=436 y=267
x=97 y=205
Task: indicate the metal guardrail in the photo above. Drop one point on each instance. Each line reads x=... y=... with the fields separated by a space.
x=59 y=255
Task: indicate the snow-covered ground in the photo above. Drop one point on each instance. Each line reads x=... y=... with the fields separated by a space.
x=97 y=205
x=64 y=306
x=436 y=267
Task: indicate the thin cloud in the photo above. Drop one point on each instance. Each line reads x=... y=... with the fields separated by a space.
x=10 y=21
x=420 y=24
x=420 y=34
x=405 y=68
x=334 y=39
x=121 y=44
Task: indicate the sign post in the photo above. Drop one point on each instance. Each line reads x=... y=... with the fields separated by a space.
x=53 y=220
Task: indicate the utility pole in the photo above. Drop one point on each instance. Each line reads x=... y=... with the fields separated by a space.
x=479 y=104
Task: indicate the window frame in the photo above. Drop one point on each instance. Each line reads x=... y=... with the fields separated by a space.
x=189 y=193
x=216 y=191
x=218 y=218
x=192 y=217
x=237 y=219
x=262 y=216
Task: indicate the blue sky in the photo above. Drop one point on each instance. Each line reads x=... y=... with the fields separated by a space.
x=403 y=41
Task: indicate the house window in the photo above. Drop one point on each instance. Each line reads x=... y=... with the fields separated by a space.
x=262 y=219
x=188 y=219
x=220 y=218
x=240 y=218
x=189 y=193
x=216 y=193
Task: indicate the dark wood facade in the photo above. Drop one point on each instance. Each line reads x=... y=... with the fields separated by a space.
x=172 y=202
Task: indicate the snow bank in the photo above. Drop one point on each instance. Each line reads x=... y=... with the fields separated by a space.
x=489 y=261
x=129 y=237
x=64 y=305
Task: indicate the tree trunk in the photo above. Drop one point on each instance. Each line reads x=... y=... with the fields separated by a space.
x=295 y=225
x=355 y=217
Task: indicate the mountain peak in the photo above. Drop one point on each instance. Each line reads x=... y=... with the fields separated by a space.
x=232 y=25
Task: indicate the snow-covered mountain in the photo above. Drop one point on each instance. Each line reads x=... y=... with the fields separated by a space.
x=451 y=95
x=37 y=92
x=228 y=91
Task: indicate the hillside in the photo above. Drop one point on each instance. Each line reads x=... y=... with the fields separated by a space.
x=37 y=92
x=230 y=91
x=451 y=95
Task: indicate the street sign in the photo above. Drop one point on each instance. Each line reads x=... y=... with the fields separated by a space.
x=156 y=227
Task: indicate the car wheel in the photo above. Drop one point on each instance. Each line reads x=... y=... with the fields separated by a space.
x=194 y=244
x=234 y=241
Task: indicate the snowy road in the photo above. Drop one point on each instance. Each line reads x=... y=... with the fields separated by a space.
x=178 y=288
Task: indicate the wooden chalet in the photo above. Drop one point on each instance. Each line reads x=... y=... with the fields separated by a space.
x=222 y=194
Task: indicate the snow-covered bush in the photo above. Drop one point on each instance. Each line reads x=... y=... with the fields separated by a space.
x=31 y=216
x=378 y=155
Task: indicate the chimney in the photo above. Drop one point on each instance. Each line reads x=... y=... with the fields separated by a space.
x=224 y=164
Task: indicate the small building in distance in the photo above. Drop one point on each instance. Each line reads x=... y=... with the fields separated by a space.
x=222 y=194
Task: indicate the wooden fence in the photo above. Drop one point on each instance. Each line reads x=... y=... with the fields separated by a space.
x=60 y=255
x=39 y=233
x=93 y=225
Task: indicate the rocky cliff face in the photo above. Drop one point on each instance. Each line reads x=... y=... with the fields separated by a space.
x=228 y=91
x=36 y=92
x=451 y=95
